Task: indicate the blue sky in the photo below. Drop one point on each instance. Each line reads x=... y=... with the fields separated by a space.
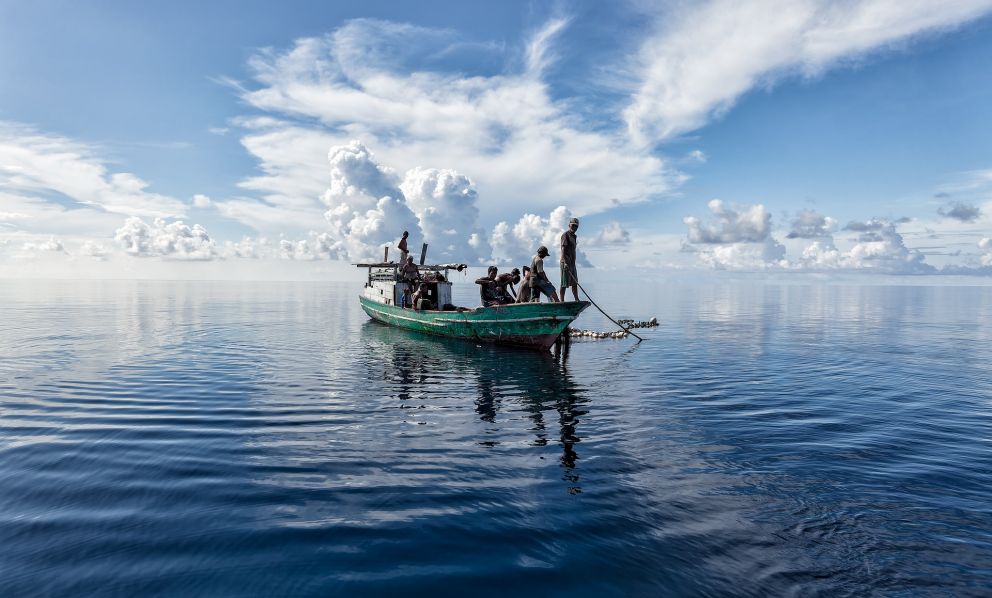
x=159 y=139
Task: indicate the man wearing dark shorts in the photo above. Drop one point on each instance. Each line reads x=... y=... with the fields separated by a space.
x=569 y=278
x=539 y=282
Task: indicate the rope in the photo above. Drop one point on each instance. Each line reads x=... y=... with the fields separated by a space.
x=575 y=279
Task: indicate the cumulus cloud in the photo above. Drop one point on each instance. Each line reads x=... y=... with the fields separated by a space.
x=731 y=224
x=247 y=248
x=94 y=249
x=444 y=202
x=740 y=238
x=173 y=240
x=366 y=208
x=705 y=55
x=32 y=249
x=986 y=246
x=201 y=201
x=960 y=211
x=879 y=247
x=519 y=242
x=319 y=246
x=808 y=224
x=762 y=255
x=611 y=234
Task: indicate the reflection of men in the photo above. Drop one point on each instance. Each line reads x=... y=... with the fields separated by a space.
x=539 y=282
x=402 y=247
x=409 y=271
x=569 y=277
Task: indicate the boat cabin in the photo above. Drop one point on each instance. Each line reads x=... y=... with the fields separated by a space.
x=386 y=284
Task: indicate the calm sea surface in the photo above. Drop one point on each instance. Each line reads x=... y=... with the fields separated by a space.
x=269 y=440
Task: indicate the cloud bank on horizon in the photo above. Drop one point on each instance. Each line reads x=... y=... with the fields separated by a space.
x=366 y=131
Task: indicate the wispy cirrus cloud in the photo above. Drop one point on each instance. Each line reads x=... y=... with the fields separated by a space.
x=64 y=171
x=382 y=83
x=704 y=56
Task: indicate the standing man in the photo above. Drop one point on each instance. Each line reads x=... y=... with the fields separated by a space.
x=539 y=282
x=402 y=247
x=569 y=277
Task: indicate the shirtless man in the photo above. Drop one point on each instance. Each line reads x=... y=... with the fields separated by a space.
x=523 y=295
x=401 y=245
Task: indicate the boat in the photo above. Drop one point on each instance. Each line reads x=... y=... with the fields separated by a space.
x=536 y=325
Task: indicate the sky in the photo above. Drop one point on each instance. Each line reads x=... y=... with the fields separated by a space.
x=254 y=140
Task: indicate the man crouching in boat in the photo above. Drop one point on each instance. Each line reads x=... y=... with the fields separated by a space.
x=492 y=288
x=539 y=282
x=420 y=300
x=523 y=295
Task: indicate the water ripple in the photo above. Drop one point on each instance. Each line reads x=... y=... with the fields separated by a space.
x=250 y=439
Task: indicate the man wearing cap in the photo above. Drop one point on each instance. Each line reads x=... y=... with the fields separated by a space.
x=569 y=277
x=539 y=282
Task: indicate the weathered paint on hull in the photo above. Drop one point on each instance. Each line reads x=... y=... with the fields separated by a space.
x=535 y=325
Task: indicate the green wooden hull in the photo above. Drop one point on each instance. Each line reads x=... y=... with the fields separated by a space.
x=535 y=325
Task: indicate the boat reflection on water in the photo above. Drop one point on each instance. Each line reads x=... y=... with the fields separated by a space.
x=502 y=381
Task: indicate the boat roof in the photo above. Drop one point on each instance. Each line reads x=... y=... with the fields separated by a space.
x=458 y=267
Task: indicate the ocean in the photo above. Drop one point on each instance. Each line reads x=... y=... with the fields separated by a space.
x=268 y=439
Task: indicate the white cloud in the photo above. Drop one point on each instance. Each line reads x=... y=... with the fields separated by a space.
x=173 y=240
x=697 y=156
x=518 y=243
x=732 y=224
x=366 y=208
x=94 y=249
x=740 y=239
x=611 y=234
x=201 y=201
x=986 y=246
x=705 y=55
x=445 y=204
x=42 y=165
x=960 y=211
x=808 y=224
x=31 y=249
x=523 y=150
x=761 y=255
x=319 y=246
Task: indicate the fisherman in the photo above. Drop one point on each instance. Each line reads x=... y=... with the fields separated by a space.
x=489 y=289
x=523 y=295
x=569 y=277
x=539 y=282
x=409 y=271
x=401 y=245
x=420 y=300
x=505 y=284
x=407 y=299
